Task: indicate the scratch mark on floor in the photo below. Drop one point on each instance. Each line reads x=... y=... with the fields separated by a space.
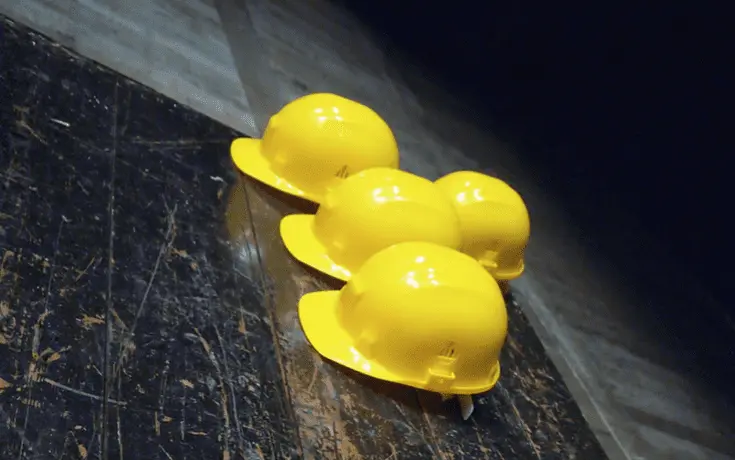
x=180 y=142
x=30 y=378
x=126 y=121
x=121 y=324
x=156 y=424
x=110 y=267
x=126 y=341
x=161 y=397
x=82 y=451
x=61 y=386
x=23 y=125
x=84 y=272
x=506 y=396
x=233 y=399
x=119 y=424
x=432 y=434
x=63 y=123
x=310 y=387
x=6 y=255
x=272 y=323
x=408 y=423
x=483 y=449
x=525 y=428
x=182 y=424
x=168 y=456
x=165 y=247
x=94 y=437
x=10 y=423
x=223 y=391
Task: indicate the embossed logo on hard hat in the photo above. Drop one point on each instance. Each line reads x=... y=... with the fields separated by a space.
x=448 y=351
x=441 y=372
x=343 y=172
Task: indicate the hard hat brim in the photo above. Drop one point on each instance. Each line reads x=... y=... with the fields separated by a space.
x=249 y=159
x=318 y=314
x=297 y=233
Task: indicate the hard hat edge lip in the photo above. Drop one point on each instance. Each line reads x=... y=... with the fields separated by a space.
x=296 y=247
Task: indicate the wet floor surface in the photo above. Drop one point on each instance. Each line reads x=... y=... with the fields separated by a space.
x=148 y=307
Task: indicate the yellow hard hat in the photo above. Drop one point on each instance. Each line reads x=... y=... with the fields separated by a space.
x=367 y=212
x=494 y=221
x=315 y=142
x=416 y=313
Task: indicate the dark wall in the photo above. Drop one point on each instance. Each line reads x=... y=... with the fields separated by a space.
x=621 y=107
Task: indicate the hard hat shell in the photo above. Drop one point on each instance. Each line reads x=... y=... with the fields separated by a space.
x=315 y=142
x=494 y=221
x=416 y=313
x=367 y=212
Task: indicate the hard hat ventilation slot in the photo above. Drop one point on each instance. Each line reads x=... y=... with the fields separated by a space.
x=343 y=172
x=448 y=351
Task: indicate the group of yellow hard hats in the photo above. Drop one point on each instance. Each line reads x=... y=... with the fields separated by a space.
x=421 y=305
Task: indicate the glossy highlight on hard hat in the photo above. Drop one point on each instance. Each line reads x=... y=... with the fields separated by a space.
x=315 y=142
x=366 y=213
x=494 y=221
x=416 y=313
